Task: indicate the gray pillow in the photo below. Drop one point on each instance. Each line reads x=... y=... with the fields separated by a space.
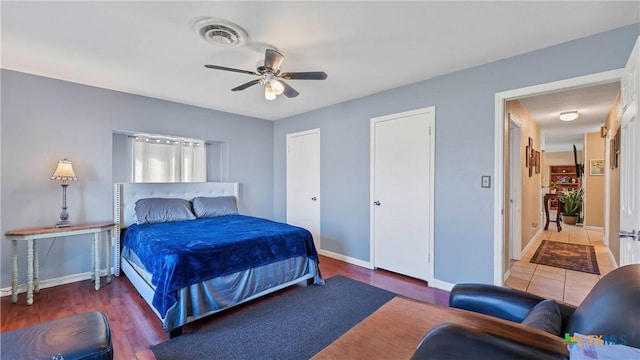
x=206 y=207
x=159 y=210
x=546 y=317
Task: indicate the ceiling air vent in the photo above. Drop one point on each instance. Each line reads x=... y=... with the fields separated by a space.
x=220 y=32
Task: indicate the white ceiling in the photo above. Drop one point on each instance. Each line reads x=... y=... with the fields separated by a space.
x=592 y=103
x=148 y=48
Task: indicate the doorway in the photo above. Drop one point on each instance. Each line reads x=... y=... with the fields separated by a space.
x=501 y=98
x=539 y=113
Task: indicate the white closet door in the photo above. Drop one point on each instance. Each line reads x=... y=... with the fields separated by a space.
x=303 y=181
x=401 y=192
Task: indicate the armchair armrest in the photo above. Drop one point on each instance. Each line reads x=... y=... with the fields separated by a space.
x=500 y=302
x=566 y=310
x=452 y=341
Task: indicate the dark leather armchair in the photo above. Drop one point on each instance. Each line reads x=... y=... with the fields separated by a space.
x=85 y=336
x=612 y=308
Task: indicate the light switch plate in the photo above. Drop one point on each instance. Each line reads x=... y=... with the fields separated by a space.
x=486 y=181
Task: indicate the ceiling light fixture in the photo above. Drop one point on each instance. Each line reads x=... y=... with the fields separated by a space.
x=272 y=88
x=269 y=92
x=569 y=115
x=277 y=86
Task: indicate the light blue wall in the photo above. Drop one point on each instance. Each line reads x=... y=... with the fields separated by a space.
x=465 y=113
x=44 y=120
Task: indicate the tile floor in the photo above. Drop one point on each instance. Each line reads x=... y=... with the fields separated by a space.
x=555 y=283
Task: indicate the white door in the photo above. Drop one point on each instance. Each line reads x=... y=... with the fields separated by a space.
x=303 y=181
x=629 y=162
x=402 y=191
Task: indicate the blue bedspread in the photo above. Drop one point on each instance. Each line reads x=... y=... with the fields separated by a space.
x=183 y=253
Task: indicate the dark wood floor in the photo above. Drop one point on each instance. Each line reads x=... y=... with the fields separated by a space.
x=135 y=327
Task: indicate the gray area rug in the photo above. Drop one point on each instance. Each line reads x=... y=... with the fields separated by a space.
x=294 y=324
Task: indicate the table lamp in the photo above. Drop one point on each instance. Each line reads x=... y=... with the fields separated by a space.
x=64 y=172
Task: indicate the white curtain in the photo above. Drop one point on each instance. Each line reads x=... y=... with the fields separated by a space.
x=165 y=159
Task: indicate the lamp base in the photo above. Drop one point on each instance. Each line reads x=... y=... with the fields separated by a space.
x=63 y=224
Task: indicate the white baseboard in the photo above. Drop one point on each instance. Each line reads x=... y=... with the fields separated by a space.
x=506 y=275
x=347 y=259
x=531 y=242
x=442 y=285
x=435 y=283
x=595 y=228
x=43 y=284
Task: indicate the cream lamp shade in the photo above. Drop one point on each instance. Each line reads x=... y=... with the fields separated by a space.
x=64 y=171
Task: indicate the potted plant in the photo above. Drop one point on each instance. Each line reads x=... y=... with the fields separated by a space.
x=553 y=187
x=571 y=206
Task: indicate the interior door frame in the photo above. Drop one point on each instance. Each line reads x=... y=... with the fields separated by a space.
x=607 y=185
x=431 y=185
x=515 y=167
x=498 y=193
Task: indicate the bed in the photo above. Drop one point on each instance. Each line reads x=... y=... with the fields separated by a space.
x=189 y=269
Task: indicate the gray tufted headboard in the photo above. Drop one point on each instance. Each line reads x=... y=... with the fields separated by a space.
x=125 y=196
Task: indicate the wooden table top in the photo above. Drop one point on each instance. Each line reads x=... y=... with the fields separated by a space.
x=395 y=329
x=52 y=229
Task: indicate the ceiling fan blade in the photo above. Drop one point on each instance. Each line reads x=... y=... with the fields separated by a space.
x=288 y=90
x=273 y=60
x=307 y=75
x=231 y=69
x=246 y=85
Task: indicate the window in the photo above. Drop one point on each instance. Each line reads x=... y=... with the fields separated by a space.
x=168 y=159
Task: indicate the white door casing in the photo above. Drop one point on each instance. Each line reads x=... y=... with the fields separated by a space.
x=303 y=182
x=500 y=99
x=515 y=189
x=402 y=183
x=607 y=186
x=543 y=191
x=629 y=161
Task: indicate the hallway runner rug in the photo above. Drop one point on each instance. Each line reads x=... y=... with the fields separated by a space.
x=567 y=256
x=294 y=324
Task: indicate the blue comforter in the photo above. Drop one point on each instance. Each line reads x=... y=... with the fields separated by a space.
x=183 y=253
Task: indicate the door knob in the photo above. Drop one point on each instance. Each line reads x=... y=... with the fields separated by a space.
x=376 y=203
x=314 y=198
x=629 y=234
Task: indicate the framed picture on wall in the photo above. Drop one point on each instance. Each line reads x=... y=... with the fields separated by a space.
x=533 y=157
x=526 y=156
x=532 y=160
x=596 y=167
x=536 y=162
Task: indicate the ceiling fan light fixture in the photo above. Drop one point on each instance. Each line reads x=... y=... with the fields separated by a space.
x=568 y=115
x=269 y=93
x=277 y=87
x=267 y=73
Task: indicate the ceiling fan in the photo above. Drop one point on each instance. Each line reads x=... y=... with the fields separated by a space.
x=270 y=76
